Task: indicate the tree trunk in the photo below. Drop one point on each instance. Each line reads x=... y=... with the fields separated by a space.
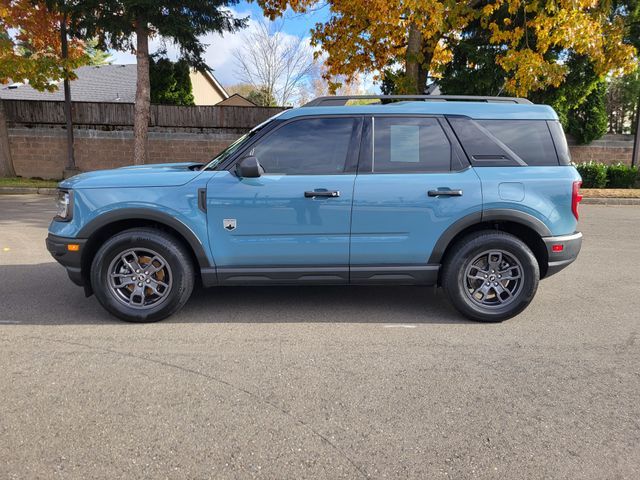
x=70 y=166
x=6 y=163
x=143 y=96
x=412 y=66
x=428 y=49
x=419 y=55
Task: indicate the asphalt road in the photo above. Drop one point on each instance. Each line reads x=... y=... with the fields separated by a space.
x=321 y=382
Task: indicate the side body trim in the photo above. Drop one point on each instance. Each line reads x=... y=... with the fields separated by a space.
x=395 y=274
x=517 y=216
x=148 y=214
x=493 y=215
x=283 y=275
x=315 y=275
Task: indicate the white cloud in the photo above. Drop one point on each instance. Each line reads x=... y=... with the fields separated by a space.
x=218 y=54
x=219 y=51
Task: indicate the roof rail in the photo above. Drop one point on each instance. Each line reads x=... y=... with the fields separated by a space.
x=340 y=100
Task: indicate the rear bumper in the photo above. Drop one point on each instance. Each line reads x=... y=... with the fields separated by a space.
x=72 y=261
x=558 y=260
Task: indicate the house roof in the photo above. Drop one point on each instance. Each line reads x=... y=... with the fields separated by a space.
x=236 y=97
x=104 y=83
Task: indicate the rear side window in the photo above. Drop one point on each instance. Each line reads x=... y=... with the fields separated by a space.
x=403 y=145
x=529 y=139
x=560 y=142
x=316 y=146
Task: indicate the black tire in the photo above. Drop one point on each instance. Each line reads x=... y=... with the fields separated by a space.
x=143 y=305
x=472 y=260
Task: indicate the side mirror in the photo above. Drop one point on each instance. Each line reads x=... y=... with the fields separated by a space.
x=249 y=167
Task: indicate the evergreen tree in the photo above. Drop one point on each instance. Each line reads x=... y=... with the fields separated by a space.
x=170 y=82
x=588 y=121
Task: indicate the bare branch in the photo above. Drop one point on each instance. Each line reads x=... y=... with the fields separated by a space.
x=274 y=62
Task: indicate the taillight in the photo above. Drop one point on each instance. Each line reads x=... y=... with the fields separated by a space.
x=576 y=198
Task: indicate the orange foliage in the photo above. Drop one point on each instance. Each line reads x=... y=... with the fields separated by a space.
x=30 y=45
x=365 y=35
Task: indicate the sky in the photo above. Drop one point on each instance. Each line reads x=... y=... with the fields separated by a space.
x=219 y=51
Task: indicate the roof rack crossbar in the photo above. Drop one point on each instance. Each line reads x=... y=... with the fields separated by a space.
x=340 y=100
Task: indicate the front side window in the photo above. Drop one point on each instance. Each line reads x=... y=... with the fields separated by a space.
x=404 y=145
x=316 y=146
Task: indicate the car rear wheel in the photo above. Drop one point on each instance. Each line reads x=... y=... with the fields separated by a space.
x=490 y=276
x=142 y=275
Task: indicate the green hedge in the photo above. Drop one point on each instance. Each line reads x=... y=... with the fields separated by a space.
x=599 y=175
x=594 y=175
x=621 y=176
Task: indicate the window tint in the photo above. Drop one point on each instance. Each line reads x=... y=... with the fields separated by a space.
x=410 y=145
x=529 y=139
x=481 y=149
x=560 y=142
x=306 y=147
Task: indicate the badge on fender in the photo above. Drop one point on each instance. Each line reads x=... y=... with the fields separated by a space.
x=229 y=224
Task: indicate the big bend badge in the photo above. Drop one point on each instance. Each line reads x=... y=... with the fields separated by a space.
x=229 y=224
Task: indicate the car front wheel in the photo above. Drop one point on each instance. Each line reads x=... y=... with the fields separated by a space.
x=490 y=276
x=142 y=275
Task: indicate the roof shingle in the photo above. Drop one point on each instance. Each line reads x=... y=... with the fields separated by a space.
x=104 y=83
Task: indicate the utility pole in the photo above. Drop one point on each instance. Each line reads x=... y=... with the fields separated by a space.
x=70 y=168
x=636 y=141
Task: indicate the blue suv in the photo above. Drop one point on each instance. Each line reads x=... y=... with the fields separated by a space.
x=474 y=194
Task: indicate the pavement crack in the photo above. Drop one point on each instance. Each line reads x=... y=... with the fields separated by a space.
x=249 y=393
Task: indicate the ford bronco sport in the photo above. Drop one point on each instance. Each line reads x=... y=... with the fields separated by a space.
x=476 y=195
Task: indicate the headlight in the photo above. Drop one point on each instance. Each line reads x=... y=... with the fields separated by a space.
x=64 y=206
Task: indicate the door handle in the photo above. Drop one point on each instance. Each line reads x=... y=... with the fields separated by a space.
x=322 y=193
x=444 y=193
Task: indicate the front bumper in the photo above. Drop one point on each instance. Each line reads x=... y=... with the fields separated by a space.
x=71 y=260
x=558 y=260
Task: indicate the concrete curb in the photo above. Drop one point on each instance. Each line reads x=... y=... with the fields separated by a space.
x=28 y=190
x=610 y=201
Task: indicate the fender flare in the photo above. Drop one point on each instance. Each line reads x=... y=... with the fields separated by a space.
x=148 y=214
x=493 y=215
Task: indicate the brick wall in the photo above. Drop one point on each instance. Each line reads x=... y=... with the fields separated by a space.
x=41 y=151
x=609 y=149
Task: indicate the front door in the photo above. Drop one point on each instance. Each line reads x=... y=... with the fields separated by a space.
x=292 y=223
x=412 y=185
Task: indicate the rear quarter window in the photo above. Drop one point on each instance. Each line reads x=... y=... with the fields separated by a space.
x=560 y=142
x=529 y=139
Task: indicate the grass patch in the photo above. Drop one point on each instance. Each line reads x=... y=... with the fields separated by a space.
x=27 y=182
x=610 y=192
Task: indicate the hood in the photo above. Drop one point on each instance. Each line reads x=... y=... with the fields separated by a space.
x=157 y=175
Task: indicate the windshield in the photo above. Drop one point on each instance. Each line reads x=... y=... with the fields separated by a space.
x=223 y=155
x=235 y=146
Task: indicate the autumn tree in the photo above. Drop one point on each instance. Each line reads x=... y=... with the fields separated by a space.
x=127 y=25
x=370 y=35
x=33 y=53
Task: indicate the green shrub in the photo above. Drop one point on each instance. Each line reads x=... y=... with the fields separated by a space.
x=594 y=175
x=621 y=176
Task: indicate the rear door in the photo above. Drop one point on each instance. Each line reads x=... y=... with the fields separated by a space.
x=413 y=183
x=292 y=223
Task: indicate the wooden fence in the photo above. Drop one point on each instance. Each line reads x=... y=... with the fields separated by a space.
x=34 y=112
